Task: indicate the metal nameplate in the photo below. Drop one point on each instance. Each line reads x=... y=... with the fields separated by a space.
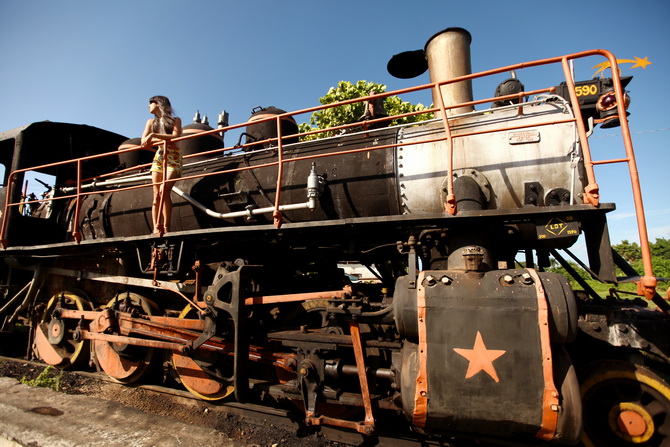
x=523 y=137
x=555 y=227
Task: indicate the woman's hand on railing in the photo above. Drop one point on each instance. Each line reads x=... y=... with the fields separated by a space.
x=147 y=141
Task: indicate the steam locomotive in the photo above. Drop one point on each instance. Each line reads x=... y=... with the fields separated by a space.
x=247 y=298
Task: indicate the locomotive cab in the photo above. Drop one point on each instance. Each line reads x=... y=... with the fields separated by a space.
x=50 y=143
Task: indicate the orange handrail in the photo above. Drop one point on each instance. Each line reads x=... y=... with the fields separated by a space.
x=591 y=195
x=591 y=192
x=277 y=215
x=450 y=203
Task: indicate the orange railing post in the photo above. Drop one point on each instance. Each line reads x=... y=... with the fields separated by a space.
x=450 y=203
x=277 y=214
x=591 y=192
x=75 y=228
x=648 y=282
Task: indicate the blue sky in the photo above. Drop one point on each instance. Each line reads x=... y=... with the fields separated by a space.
x=97 y=62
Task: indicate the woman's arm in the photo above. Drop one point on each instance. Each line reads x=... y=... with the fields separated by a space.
x=147 y=135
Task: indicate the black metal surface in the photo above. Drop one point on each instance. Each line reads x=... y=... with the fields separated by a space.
x=190 y=148
x=408 y=64
x=459 y=314
x=266 y=130
x=135 y=157
x=599 y=248
x=225 y=297
x=338 y=227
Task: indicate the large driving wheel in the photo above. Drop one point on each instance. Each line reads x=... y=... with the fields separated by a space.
x=625 y=404
x=198 y=372
x=56 y=342
x=122 y=362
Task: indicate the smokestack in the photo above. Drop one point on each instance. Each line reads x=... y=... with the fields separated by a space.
x=448 y=56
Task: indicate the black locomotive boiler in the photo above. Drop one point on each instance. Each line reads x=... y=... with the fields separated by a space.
x=462 y=334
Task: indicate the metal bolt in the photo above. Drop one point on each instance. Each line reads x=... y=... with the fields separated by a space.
x=508 y=279
x=76 y=336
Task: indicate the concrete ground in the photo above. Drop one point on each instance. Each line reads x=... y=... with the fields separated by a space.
x=39 y=417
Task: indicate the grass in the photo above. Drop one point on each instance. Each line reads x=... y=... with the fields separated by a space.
x=46 y=379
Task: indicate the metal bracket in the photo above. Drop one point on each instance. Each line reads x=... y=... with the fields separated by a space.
x=310 y=392
x=227 y=294
x=162 y=259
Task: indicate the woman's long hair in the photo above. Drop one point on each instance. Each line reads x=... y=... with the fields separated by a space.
x=166 y=122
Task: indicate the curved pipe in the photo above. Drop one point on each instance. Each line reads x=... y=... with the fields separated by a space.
x=312 y=194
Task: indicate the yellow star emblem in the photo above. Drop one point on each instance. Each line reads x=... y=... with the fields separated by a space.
x=481 y=359
x=637 y=62
x=641 y=62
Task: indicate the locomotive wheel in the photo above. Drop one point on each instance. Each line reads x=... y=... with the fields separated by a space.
x=624 y=405
x=55 y=340
x=123 y=363
x=194 y=378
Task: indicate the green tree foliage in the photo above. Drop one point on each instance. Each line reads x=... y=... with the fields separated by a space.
x=660 y=256
x=352 y=113
x=630 y=251
x=661 y=248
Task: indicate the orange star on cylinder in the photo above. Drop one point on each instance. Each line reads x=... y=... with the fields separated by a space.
x=481 y=359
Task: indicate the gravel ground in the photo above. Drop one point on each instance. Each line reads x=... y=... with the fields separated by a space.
x=248 y=432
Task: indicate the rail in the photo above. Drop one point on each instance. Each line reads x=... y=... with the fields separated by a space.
x=591 y=194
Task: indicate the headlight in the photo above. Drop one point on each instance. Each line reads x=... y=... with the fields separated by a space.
x=607 y=108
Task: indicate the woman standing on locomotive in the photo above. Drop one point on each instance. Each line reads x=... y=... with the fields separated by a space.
x=163 y=127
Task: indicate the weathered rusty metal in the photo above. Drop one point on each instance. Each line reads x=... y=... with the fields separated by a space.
x=550 y=400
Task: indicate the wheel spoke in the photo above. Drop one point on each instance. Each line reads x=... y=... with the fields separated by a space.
x=122 y=364
x=54 y=338
x=655 y=408
x=195 y=378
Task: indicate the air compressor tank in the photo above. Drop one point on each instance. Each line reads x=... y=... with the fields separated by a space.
x=268 y=129
x=136 y=157
x=197 y=145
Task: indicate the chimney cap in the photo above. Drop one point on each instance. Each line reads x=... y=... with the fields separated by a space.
x=410 y=64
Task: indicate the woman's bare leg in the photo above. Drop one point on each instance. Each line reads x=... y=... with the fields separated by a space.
x=156 y=179
x=172 y=176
